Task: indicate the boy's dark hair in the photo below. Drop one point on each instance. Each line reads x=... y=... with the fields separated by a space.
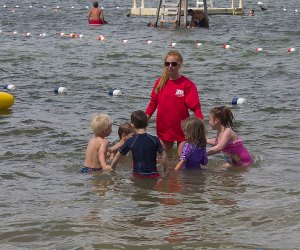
x=126 y=129
x=190 y=12
x=95 y=4
x=139 y=119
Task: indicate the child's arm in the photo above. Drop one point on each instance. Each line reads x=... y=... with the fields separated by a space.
x=224 y=140
x=179 y=165
x=212 y=141
x=114 y=149
x=102 y=155
x=164 y=159
x=116 y=160
x=204 y=159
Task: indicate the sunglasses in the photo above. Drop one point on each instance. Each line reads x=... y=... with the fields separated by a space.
x=174 y=64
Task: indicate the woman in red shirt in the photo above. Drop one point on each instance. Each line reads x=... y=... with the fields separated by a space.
x=173 y=96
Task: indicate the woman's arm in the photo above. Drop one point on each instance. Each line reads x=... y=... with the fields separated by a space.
x=192 y=99
x=153 y=101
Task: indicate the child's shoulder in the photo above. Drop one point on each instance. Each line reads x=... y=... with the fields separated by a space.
x=152 y=136
x=99 y=140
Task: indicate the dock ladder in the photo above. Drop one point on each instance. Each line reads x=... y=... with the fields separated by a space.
x=169 y=12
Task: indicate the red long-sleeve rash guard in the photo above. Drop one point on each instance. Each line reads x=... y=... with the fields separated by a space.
x=173 y=103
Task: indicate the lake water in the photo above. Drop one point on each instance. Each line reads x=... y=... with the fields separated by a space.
x=45 y=203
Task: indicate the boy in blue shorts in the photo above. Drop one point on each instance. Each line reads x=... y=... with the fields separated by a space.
x=144 y=148
x=97 y=148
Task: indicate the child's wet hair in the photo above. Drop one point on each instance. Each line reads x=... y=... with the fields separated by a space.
x=100 y=123
x=139 y=119
x=125 y=128
x=194 y=131
x=225 y=116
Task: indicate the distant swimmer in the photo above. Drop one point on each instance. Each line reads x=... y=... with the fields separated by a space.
x=96 y=15
x=198 y=18
x=251 y=13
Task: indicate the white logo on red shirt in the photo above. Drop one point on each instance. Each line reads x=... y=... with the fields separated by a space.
x=179 y=93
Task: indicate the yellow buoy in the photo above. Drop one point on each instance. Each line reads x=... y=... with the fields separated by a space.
x=6 y=100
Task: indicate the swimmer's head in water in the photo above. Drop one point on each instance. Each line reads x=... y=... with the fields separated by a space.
x=95 y=4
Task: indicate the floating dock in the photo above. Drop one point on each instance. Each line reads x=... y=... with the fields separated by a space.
x=236 y=8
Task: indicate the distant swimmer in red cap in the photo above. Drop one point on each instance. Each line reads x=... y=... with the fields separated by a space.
x=96 y=15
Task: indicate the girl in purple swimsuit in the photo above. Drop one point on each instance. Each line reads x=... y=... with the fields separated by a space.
x=227 y=140
x=194 y=150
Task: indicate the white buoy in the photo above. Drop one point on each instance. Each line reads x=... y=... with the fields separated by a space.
x=148 y=42
x=28 y=34
x=259 y=49
x=115 y=92
x=238 y=101
x=15 y=32
x=60 y=90
x=198 y=44
x=9 y=86
x=262 y=6
x=124 y=41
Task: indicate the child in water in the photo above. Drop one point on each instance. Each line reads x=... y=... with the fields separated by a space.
x=125 y=131
x=227 y=140
x=194 y=150
x=144 y=148
x=97 y=147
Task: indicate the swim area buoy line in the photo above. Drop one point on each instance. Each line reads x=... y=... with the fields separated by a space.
x=6 y=100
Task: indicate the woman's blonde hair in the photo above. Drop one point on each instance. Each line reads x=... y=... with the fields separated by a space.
x=165 y=75
x=100 y=123
x=194 y=131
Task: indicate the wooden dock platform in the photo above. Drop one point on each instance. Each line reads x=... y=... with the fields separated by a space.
x=231 y=10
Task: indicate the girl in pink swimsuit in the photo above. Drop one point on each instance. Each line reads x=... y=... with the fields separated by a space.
x=227 y=140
